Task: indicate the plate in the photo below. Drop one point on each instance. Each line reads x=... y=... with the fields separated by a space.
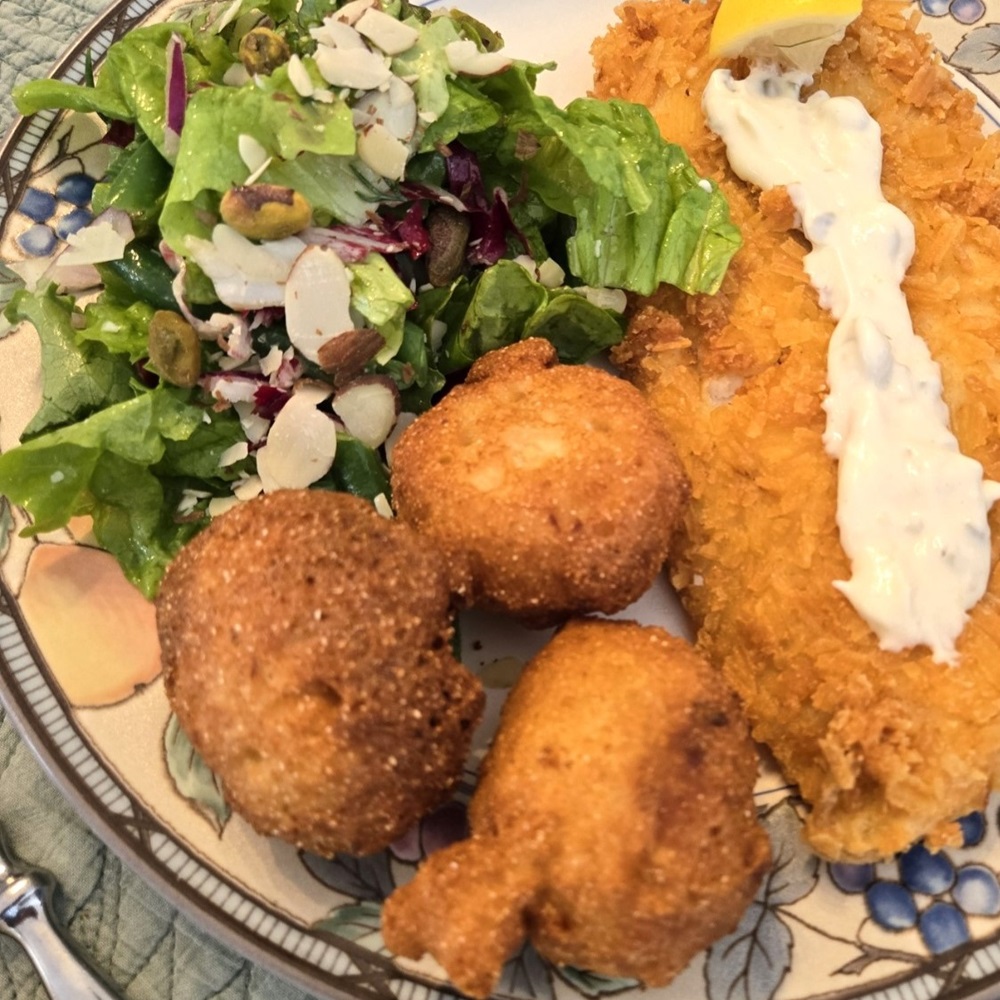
x=919 y=926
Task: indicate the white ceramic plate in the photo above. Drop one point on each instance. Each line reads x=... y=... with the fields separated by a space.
x=916 y=927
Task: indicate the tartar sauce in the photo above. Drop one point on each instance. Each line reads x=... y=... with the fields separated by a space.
x=911 y=508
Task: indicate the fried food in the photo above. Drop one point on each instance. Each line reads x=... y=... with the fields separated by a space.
x=885 y=747
x=613 y=824
x=555 y=486
x=306 y=651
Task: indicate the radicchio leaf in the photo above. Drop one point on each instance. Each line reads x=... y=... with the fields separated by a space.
x=413 y=232
x=465 y=180
x=176 y=93
x=353 y=244
x=268 y=401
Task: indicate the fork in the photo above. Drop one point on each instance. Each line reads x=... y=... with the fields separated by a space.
x=25 y=915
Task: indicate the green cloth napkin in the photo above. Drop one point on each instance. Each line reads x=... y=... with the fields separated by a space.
x=129 y=932
x=132 y=935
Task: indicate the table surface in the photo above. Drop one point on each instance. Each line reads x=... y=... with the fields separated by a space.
x=142 y=945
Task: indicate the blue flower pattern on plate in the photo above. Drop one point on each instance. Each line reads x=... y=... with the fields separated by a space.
x=56 y=214
x=73 y=222
x=77 y=189
x=930 y=892
x=38 y=205
x=963 y=11
x=38 y=241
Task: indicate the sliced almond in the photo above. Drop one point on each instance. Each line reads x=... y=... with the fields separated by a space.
x=270 y=260
x=298 y=76
x=218 y=506
x=369 y=407
x=317 y=300
x=402 y=422
x=252 y=153
x=246 y=275
x=300 y=446
x=236 y=75
x=233 y=454
x=337 y=34
x=248 y=487
x=394 y=107
x=359 y=69
x=351 y=11
x=379 y=149
x=389 y=34
x=465 y=57
x=605 y=298
x=255 y=427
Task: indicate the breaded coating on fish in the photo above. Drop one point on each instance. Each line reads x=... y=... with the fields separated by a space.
x=885 y=747
x=554 y=486
x=613 y=824
x=307 y=654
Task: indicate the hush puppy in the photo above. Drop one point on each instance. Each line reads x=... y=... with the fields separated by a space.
x=306 y=651
x=554 y=486
x=613 y=824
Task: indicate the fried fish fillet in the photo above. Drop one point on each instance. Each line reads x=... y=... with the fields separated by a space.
x=613 y=824
x=885 y=747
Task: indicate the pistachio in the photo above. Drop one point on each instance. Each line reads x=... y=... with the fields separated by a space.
x=174 y=348
x=265 y=211
x=448 y=230
x=263 y=50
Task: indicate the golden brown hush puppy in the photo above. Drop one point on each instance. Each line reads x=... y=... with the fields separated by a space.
x=613 y=824
x=554 y=486
x=306 y=651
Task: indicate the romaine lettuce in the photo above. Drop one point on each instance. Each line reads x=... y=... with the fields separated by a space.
x=125 y=466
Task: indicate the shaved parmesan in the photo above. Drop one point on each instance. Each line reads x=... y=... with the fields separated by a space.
x=103 y=240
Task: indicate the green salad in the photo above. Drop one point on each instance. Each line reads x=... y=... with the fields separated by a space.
x=317 y=216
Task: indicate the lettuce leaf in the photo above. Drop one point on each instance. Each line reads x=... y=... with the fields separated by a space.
x=382 y=299
x=427 y=65
x=122 y=329
x=504 y=299
x=643 y=215
x=125 y=466
x=131 y=86
x=215 y=118
x=77 y=379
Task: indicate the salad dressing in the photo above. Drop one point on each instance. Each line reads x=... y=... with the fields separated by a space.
x=911 y=508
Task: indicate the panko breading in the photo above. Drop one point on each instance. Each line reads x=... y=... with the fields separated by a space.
x=886 y=748
x=306 y=653
x=613 y=824
x=554 y=486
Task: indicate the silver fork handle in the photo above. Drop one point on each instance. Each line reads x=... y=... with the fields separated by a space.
x=27 y=920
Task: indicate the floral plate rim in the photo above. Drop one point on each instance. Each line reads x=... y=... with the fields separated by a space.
x=318 y=961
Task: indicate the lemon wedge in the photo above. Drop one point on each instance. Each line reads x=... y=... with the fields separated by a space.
x=795 y=33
